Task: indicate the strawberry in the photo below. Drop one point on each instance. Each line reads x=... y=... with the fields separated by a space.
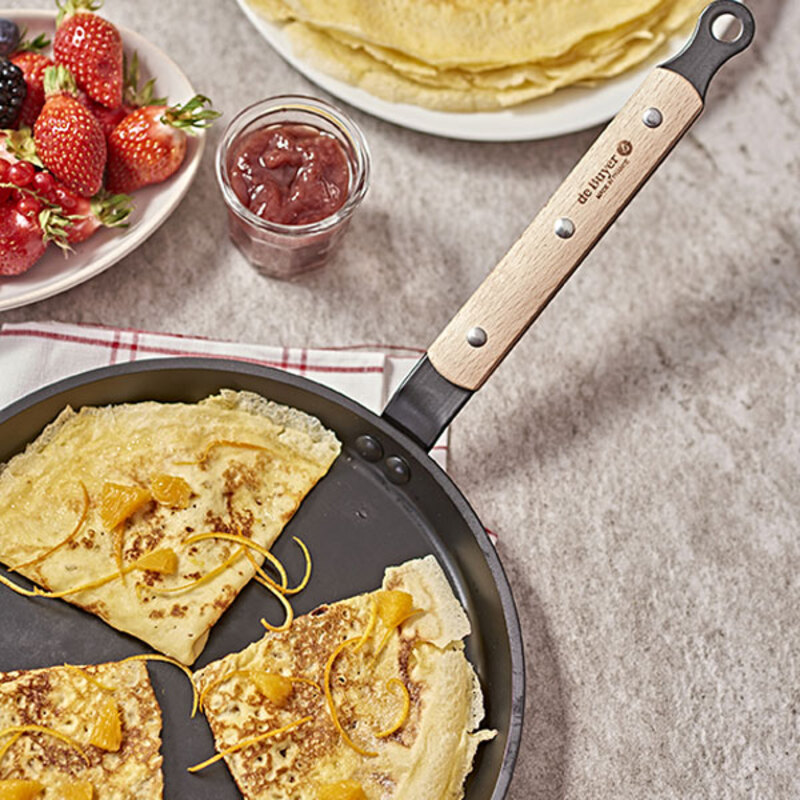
x=132 y=98
x=108 y=118
x=22 y=241
x=69 y=140
x=150 y=144
x=91 y=47
x=33 y=66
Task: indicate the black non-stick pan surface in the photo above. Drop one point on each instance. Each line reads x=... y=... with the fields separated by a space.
x=356 y=522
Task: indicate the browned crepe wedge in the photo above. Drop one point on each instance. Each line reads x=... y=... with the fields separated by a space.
x=103 y=488
x=371 y=694
x=57 y=730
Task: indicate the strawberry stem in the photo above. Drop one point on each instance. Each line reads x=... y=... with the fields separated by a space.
x=66 y=8
x=59 y=80
x=191 y=116
x=54 y=229
x=132 y=94
x=21 y=145
x=112 y=210
x=33 y=45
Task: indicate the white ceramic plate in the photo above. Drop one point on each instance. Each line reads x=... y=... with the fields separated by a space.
x=53 y=273
x=566 y=111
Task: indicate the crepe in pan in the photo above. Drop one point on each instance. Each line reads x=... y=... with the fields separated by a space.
x=105 y=492
x=57 y=730
x=379 y=698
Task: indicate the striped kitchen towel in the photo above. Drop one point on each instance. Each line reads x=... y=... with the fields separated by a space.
x=34 y=354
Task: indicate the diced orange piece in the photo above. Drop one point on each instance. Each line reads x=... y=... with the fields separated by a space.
x=394 y=607
x=76 y=790
x=164 y=561
x=119 y=502
x=275 y=688
x=344 y=790
x=171 y=490
x=20 y=790
x=107 y=733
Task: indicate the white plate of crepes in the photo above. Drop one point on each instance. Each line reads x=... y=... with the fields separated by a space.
x=480 y=71
x=57 y=270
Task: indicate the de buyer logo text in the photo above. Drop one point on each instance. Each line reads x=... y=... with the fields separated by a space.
x=598 y=185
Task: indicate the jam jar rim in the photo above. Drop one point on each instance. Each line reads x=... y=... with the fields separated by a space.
x=360 y=160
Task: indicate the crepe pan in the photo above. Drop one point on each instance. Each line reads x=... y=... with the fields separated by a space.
x=384 y=500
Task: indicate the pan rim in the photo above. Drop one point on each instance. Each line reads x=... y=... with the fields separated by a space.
x=445 y=482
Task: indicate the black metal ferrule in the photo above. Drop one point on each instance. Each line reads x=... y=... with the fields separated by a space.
x=699 y=61
x=425 y=404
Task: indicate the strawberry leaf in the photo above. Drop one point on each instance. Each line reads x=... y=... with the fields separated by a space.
x=33 y=45
x=132 y=94
x=54 y=228
x=59 y=80
x=66 y=8
x=190 y=116
x=112 y=210
x=21 y=145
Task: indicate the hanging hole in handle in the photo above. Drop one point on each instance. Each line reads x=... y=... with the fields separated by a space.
x=727 y=28
x=714 y=42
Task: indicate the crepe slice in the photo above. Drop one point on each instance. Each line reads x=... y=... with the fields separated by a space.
x=119 y=503
x=80 y=733
x=371 y=697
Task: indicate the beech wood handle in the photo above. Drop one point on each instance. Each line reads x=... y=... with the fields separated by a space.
x=589 y=200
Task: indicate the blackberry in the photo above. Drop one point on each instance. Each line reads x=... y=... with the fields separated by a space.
x=9 y=37
x=12 y=93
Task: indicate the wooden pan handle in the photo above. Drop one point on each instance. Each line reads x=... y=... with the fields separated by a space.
x=599 y=187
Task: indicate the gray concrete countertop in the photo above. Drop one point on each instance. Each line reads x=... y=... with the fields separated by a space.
x=638 y=453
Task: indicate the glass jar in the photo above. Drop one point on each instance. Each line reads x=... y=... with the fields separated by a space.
x=277 y=249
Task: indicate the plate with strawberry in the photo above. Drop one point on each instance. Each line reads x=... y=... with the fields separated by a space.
x=101 y=135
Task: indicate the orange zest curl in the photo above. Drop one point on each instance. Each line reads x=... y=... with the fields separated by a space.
x=9 y=744
x=250 y=544
x=17 y=588
x=119 y=546
x=303 y=583
x=247 y=742
x=401 y=720
x=326 y=685
x=22 y=729
x=167 y=660
x=286 y=605
x=67 y=540
x=262 y=576
x=162 y=561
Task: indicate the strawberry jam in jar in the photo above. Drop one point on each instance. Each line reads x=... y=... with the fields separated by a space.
x=292 y=170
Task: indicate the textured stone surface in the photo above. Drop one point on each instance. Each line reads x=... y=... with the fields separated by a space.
x=638 y=453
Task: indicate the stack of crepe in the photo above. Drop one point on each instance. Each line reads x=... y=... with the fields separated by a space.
x=474 y=55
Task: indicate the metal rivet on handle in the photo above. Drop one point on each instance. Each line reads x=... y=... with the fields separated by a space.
x=397 y=469
x=477 y=337
x=652 y=117
x=564 y=227
x=369 y=448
